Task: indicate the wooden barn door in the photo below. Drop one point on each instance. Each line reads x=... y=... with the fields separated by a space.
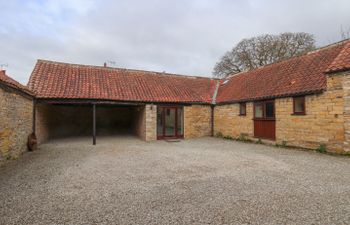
x=264 y=120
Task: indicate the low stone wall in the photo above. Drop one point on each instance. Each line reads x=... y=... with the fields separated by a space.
x=16 y=122
x=197 y=121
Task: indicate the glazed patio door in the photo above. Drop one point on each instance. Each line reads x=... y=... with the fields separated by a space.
x=169 y=122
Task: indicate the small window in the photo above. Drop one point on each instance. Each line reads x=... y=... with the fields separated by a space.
x=299 y=105
x=259 y=110
x=264 y=110
x=242 y=109
x=270 y=110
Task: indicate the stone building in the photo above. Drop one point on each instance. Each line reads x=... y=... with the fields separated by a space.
x=303 y=101
x=74 y=100
x=16 y=117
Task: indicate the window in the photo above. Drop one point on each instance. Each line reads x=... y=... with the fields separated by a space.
x=258 y=110
x=269 y=110
x=242 y=109
x=264 y=110
x=299 y=105
x=179 y=121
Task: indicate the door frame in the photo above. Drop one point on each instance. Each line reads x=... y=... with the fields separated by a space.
x=176 y=135
x=267 y=121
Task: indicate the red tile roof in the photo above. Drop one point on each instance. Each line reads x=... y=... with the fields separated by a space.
x=304 y=74
x=70 y=81
x=299 y=75
x=342 y=62
x=8 y=81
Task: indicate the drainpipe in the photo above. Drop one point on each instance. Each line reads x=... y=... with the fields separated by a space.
x=213 y=102
x=212 y=120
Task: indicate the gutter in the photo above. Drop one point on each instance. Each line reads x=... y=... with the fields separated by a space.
x=108 y=101
x=318 y=91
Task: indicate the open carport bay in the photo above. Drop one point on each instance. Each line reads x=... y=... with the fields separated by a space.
x=56 y=121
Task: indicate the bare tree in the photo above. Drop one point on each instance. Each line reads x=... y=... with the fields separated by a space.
x=262 y=50
x=344 y=33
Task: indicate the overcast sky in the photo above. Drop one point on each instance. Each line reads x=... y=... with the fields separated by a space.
x=179 y=36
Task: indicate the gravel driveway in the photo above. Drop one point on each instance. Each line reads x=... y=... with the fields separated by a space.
x=202 y=181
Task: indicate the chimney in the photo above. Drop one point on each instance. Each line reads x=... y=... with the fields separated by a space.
x=105 y=64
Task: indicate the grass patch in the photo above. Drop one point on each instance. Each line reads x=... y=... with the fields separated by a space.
x=322 y=148
x=259 y=141
x=284 y=144
x=228 y=137
x=219 y=135
x=244 y=138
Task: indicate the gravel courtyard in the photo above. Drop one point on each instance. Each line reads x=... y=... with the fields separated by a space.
x=202 y=181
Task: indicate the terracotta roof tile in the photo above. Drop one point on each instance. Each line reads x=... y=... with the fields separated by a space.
x=304 y=74
x=299 y=75
x=14 y=84
x=71 y=81
x=342 y=61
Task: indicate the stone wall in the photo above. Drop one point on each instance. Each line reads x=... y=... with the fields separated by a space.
x=150 y=122
x=324 y=122
x=16 y=122
x=42 y=123
x=228 y=122
x=345 y=77
x=146 y=122
x=140 y=122
x=197 y=121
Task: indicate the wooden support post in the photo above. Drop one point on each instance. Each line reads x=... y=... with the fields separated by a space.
x=94 y=124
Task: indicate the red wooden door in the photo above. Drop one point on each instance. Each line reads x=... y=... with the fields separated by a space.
x=264 y=120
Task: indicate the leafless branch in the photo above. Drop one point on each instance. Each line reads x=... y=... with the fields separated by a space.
x=262 y=50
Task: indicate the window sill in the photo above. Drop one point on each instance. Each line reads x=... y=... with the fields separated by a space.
x=242 y=114
x=298 y=114
x=264 y=119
